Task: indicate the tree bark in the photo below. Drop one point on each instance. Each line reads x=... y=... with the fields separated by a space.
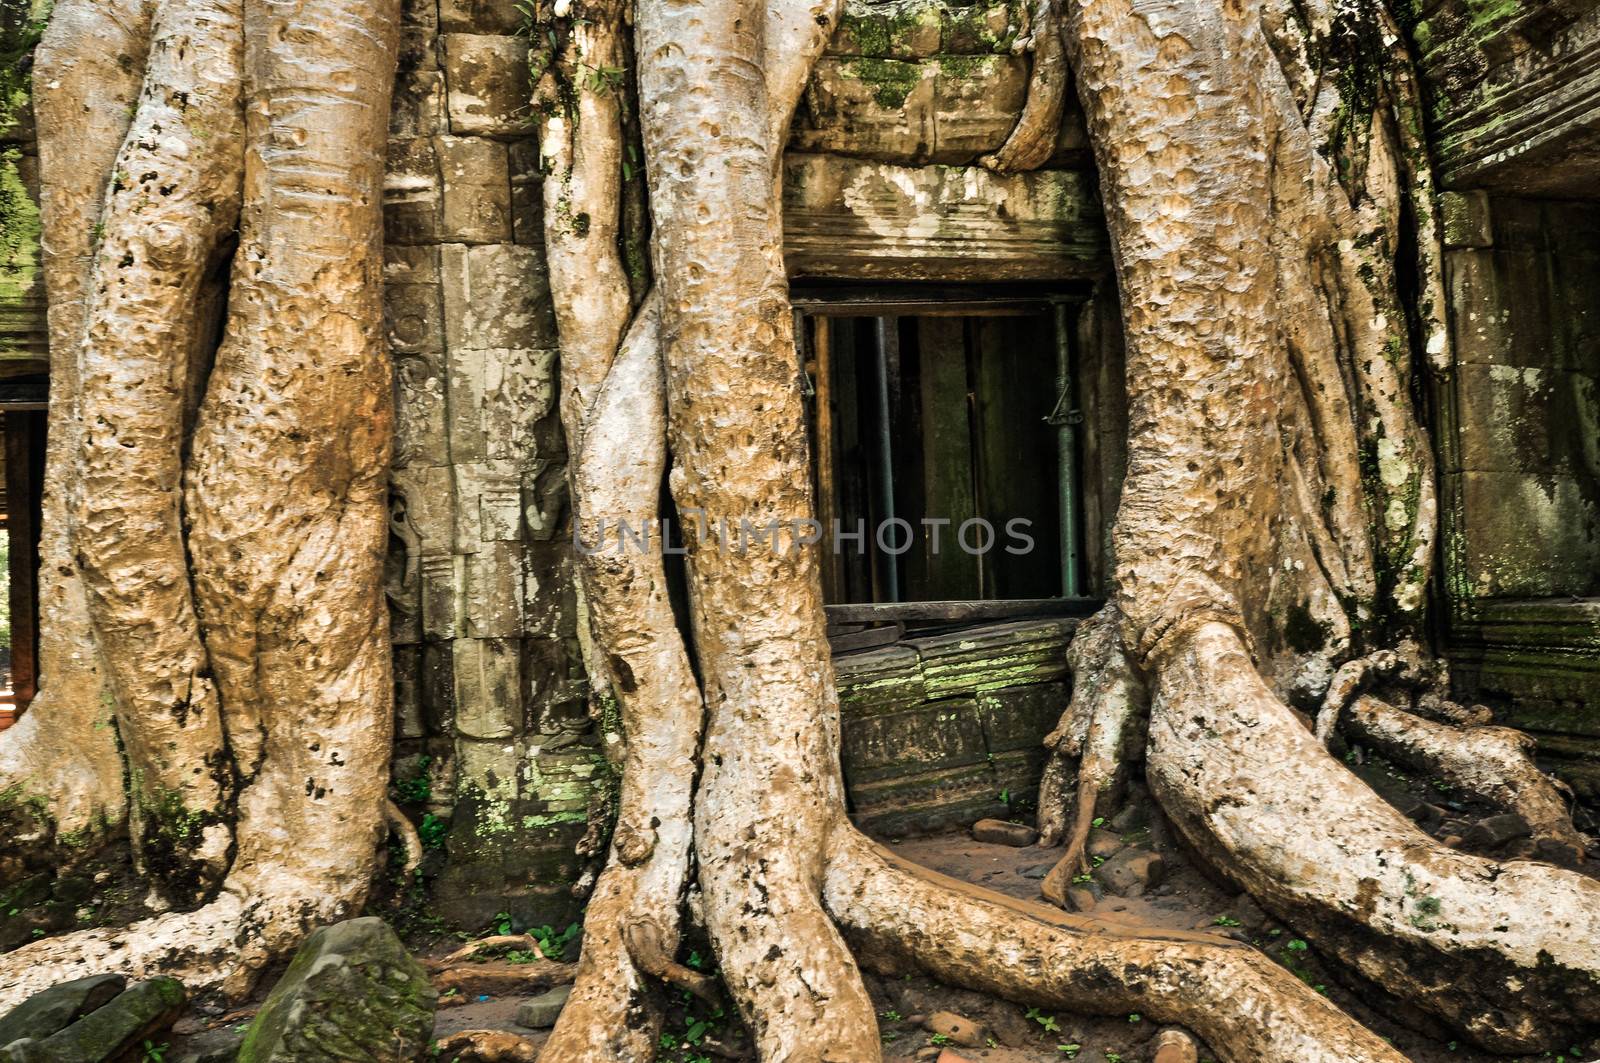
x=173 y=201
x=285 y=494
x=61 y=774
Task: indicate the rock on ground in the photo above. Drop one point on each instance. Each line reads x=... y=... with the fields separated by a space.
x=351 y=992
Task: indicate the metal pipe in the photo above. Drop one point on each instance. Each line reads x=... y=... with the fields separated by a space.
x=1066 y=417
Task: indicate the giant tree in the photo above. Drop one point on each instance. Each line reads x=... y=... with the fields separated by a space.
x=1272 y=219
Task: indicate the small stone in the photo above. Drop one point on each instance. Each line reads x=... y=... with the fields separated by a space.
x=1175 y=1046
x=1131 y=817
x=1131 y=872
x=1495 y=831
x=1103 y=843
x=948 y=1056
x=1081 y=898
x=52 y=1010
x=1001 y=832
x=352 y=988
x=959 y=1028
x=1037 y=871
x=540 y=1012
x=928 y=1052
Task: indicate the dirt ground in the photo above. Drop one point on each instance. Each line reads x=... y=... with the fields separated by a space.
x=1170 y=893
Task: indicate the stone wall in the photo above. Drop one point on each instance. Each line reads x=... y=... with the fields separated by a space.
x=490 y=700
x=1514 y=93
x=1520 y=468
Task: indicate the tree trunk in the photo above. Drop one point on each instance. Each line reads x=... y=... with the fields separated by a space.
x=61 y=789
x=284 y=491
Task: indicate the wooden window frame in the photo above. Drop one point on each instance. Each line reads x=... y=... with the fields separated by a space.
x=933 y=300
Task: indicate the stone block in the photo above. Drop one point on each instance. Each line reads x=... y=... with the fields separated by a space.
x=1004 y=832
x=897 y=29
x=487 y=687
x=488 y=88
x=443 y=576
x=874 y=108
x=476 y=180
x=519 y=391
x=541 y=1012
x=927 y=802
x=994 y=657
x=1527 y=419
x=936 y=735
x=1528 y=535
x=411 y=193
x=413 y=302
x=1018 y=718
x=119 y=1026
x=986 y=27
x=860 y=219
x=480 y=16
x=408 y=719
x=418 y=109
x=976 y=103
x=527 y=194
x=351 y=992
x=489 y=504
x=52 y=1010
x=496 y=296
x=492 y=608
x=1466 y=220
x=879 y=681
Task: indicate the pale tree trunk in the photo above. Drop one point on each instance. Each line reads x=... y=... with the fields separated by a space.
x=1255 y=209
x=61 y=776
x=282 y=688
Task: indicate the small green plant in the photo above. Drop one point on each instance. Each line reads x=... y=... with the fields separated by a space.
x=155 y=1053
x=1098 y=821
x=889 y=1016
x=1048 y=1022
x=1113 y=1057
x=502 y=925
x=939 y=1039
x=1079 y=880
x=1224 y=920
x=419 y=787
x=1071 y=1051
x=1134 y=1016
x=1296 y=945
x=553 y=944
x=432 y=831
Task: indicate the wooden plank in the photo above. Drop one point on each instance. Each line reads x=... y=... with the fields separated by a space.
x=941 y=570
x=825 y=462
x=1016 y=453
x=959 y=611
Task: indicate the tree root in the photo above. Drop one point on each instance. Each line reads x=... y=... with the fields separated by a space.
x=499 y=978
x=1452 y=742
x=1251 y=790
x=1111 y=697
x=401 y=827
x=1033 y=139
x=525 y=942
x=61 y=773
x=1493 y=763
x=485 y=1046
x=1242 y=1004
